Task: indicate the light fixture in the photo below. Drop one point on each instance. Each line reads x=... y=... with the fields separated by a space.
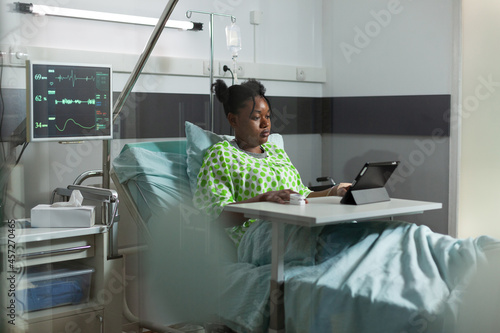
x=30 y=8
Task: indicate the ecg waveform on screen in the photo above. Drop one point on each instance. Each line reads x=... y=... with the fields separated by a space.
x=75 y=101
x=73 y=78
x=72 y=120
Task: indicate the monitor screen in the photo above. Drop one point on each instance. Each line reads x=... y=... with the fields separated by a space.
x=68 y=102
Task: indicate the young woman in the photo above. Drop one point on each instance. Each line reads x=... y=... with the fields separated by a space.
x=248 y=169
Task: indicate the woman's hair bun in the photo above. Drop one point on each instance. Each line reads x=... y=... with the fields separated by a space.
x=235 y=96
x=220 y=89
x=255 y=86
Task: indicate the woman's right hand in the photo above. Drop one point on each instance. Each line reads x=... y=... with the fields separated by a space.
x=231 y=219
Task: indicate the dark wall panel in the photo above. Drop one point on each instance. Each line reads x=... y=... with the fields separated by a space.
x=163 y=115
x=390 y=115
x=156 y=115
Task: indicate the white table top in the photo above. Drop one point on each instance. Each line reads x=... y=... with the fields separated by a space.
x=329 y=210
x=23 y=235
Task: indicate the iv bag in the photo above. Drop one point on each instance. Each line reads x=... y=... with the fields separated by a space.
x=233 y=39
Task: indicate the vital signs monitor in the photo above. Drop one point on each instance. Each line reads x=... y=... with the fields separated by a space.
x=68 y=102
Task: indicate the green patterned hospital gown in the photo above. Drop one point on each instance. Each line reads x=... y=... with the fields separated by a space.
x=229 y=174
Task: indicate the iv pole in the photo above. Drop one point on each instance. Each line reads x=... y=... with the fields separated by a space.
x=211 y=32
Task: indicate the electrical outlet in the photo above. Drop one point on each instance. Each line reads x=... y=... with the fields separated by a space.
x=301 y=74
x=206 y=68
x=256 y=17
x=240 y=70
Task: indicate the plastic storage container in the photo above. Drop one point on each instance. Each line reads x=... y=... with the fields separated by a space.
x=50 y=285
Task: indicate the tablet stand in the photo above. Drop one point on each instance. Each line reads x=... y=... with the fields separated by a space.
x=361 y=197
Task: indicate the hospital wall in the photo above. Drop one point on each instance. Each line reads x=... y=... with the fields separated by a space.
x=479 y=120
x=390 y=68
x=404 y=62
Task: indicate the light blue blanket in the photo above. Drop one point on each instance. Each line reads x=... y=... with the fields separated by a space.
x=379 y=276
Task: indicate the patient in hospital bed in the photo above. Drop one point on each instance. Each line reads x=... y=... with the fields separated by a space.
x=377 y=276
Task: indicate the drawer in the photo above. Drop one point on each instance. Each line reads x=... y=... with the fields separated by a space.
x=55 y=250
x=53 y=286
x=85 y=322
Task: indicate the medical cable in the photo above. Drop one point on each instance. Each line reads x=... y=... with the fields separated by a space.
x=225 y=69
x=21 y=153
x=324 y=179
x=328 y=193
x=255 y=43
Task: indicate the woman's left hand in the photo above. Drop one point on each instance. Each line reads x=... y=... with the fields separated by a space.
x=341 y=189
x=337 y=190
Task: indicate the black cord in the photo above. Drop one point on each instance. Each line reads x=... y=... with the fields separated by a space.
x=21 y=153
x=225 y=69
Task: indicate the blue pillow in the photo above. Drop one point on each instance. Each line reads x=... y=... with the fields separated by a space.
x=199 y=140
x=157 y=182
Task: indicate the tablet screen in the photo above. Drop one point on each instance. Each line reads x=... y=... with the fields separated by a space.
x=369 y=185
x=374 y=175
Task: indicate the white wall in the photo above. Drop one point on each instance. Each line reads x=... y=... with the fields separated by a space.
x=388 y=47
x=391 y=48
x=480 y=119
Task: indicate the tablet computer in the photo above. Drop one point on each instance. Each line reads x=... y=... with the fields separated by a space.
x=369 y=184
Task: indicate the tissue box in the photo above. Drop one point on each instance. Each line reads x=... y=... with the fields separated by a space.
x=46 y=216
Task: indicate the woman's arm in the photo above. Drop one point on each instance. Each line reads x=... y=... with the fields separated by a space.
x=338 y=190
x=231 y=219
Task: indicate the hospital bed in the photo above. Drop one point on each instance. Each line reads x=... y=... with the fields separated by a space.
x=379 y=276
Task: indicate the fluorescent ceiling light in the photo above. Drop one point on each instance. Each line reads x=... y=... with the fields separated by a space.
x=102 y=16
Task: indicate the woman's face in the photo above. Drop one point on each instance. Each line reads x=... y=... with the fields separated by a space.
x=252 y=129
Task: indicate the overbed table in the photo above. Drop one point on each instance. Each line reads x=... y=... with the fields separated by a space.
x=319 y=211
